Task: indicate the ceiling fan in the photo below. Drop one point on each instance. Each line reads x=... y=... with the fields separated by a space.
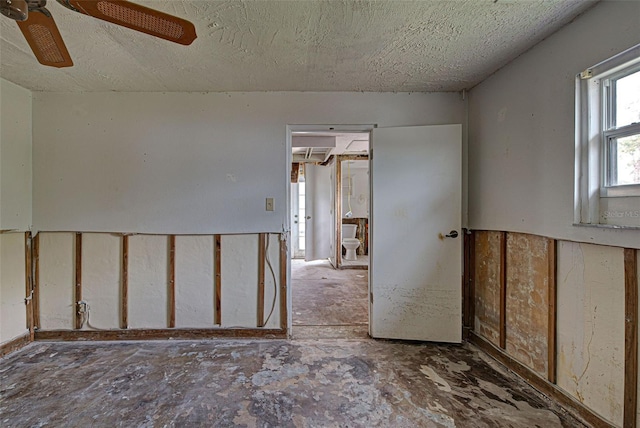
x=40 y=30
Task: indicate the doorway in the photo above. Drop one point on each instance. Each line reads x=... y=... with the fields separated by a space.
x=329 y=194
x=414 y=290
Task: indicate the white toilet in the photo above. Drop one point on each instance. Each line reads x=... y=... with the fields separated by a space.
x=349 y=241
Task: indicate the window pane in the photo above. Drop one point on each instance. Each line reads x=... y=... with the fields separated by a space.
x=627 y=154
x=628 y=99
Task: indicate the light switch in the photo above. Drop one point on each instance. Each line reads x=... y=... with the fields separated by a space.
x=270 y=204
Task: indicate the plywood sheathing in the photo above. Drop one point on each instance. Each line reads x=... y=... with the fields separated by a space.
x=590 y=326
x=487 y=283
x=527 y=300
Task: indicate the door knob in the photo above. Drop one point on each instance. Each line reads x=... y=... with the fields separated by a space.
x=452 y=234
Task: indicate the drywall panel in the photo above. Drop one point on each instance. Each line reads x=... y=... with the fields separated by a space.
x=13 y=315
x=590 y=326
x=527 y=300
x=194 y=281
x=148 y=281
x=487 y=282
x=15 y=157
x=239 y=299
x=101 y=279
x=189 y=163
x=522 y=134
x=56 y=280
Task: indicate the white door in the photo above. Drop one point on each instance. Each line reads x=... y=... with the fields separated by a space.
x=416 y=271
x=318 y=210
x=295 y=220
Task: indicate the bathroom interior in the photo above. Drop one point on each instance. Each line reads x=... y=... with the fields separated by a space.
x=342 y=186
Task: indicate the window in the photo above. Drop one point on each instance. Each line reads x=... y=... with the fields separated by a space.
x=608 y=142
x=621 y=134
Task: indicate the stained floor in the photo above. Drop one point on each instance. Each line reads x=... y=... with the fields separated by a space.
x=323 y=296
x=265 y=383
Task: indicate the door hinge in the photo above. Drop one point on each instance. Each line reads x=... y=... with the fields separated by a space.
x=371 y=298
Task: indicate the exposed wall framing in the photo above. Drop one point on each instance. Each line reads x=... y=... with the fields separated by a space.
x=28 y=263
x=631 y=338
x=217 y=266
x=172 y=278
x=78 y=283
x=587 y=308
x=35 y=258
x=283 y=282
x=172 y=281
x=124 y=291
x=261 y=263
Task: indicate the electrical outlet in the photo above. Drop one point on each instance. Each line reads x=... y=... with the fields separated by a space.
x=270 y=204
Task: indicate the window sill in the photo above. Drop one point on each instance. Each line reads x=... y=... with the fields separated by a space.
x=606 y=226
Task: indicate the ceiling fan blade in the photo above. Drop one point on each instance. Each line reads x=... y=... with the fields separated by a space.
x=139 y=18
x=45 y=40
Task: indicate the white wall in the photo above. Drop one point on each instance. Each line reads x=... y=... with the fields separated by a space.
x=15 y=205
x=188 y=162
x=522 y=135
x=15 y=157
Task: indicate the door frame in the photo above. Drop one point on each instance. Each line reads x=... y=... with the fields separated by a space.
x=338 y=201
x=290 y=129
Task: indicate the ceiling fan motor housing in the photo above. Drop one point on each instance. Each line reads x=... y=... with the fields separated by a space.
x=15 y=9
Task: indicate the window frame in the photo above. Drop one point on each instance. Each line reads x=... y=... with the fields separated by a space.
x=594 y=133
x=611 y=132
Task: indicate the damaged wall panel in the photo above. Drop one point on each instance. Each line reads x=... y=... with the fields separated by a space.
x=239 y=280
x=148 y=281
x=590 y=326
x=13 y=316
x=101 y=268
x=56 y=280
x=194 y=281
x=487 y=285
x=527 y=300
x=148 y=277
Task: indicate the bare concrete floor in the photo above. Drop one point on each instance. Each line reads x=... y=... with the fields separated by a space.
x=265 y=383
x=323 y=296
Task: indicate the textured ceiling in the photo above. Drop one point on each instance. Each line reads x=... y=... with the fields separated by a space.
x=295 y=45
